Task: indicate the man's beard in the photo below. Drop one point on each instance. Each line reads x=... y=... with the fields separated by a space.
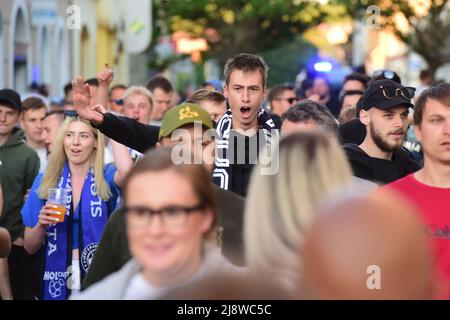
x=381 y=143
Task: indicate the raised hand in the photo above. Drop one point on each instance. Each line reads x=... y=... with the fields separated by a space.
x=81 y=93
x=106 y=76
x=81 y=102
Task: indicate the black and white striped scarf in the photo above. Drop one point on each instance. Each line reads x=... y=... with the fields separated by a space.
x=222 y=172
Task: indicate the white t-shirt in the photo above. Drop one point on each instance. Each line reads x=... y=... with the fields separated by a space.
x=42 y=153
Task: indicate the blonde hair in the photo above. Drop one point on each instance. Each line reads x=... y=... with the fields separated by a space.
x=139 y=90
x=58 y=157
x=280 y=207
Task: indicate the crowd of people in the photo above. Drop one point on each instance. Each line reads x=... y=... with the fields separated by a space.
x=237 y=192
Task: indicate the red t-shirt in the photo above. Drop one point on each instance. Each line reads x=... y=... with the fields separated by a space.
x=434 y=205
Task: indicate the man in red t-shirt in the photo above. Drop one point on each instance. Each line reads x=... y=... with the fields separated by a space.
x=429 y=188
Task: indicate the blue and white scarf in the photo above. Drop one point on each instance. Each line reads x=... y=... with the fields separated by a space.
x=59 y=244
x=222 y=173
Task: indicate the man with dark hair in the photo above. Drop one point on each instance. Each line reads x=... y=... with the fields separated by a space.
x=211 y=100
x=51 y=124
x=350 y=99
x=281 y=97
x=306 y=116
x=355 y=82
x=354 y=131
x=384 y=112
x=429 y=188
x=115 y=95
x=31 y=121
x=246 y=125
x=68 y=92
x=162 y=91
x=321 y=92
x=19 y=165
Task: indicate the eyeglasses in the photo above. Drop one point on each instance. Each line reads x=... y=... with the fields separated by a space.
x=70 y=114
x=387 y=74
x=392 y=92
x=289 y=100
x=118 y=101
x=171 y=216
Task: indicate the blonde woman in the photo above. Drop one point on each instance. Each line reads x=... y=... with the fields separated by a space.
x=76 y=163
x=280 y=207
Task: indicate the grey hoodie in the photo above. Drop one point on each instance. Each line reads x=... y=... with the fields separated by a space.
x=19 y=165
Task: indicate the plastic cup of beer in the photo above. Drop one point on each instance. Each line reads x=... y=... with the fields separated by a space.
x=57 y=197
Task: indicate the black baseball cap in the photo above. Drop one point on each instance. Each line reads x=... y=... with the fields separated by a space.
x=386 y=94
x=11 y=98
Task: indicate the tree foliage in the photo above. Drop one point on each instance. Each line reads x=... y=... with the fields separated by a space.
x=233 y=26
x=427 y=24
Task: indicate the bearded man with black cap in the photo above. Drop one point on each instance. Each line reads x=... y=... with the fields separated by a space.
x=384 y=112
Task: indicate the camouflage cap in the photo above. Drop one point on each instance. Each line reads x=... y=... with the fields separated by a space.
x=181 y=115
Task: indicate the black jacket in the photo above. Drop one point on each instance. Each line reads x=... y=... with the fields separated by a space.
x=129 y=132
x=380 y=170
x=352 y=132
x=242 y=172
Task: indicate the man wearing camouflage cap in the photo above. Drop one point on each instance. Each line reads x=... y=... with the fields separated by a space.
x=183 y=125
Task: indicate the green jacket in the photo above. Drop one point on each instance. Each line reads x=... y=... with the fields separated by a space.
x=19 y=165
x=113 y=251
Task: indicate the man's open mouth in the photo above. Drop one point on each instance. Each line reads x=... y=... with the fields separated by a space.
x=245 y=112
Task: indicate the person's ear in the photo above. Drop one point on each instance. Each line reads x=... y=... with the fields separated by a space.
x=207 y=221
x=158 y=145
x=364 y=117
x=225 y=90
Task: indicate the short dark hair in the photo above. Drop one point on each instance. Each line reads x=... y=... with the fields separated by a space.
x=278 y=90
x=59 y=113
x=358 y=77
x=92 y=82
x=439 y=92
x=349 y=93
x=33 y=103
x=67 y=89
x=246 y=62
x=424 y=74
x=116 y=86
x=205 y=95
x=310 y=110
x=159 y=82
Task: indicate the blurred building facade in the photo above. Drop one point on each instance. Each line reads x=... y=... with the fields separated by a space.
x=51 y=41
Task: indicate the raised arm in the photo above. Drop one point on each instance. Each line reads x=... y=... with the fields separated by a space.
x=81 y=102
x=122 y=157
x=105 y=77
x=123 y=161
x=127 y=131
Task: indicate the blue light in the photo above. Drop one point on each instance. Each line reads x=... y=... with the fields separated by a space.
x=323 y=66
